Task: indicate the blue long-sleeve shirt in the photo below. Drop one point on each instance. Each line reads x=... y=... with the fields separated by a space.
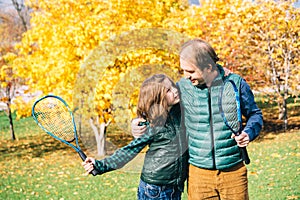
x=250 y=110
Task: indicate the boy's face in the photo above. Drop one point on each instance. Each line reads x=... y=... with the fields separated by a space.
x=192 y=72
x=172 y=95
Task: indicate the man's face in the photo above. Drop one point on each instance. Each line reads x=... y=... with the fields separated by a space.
x=192 y=72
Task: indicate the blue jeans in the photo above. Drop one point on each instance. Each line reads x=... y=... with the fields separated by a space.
x=148 y=191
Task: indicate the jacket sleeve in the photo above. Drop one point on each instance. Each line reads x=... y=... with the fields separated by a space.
x=123 y=155
x=250 y=110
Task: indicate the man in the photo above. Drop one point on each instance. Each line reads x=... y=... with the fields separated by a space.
x=216 y=169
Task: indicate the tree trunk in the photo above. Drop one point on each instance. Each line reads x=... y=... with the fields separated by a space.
x=11 y=124
x=285 y=117
x=287 y=59
x=99 y=130
x=20 y=7
x=283 y=113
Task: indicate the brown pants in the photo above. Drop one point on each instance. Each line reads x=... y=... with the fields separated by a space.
x=216 y=184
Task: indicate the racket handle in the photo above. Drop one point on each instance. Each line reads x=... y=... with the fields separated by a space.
x=83 y=157
x=245 y=155
x=94 y=172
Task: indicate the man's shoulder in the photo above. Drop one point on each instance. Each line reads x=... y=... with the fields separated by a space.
x=183 y=81
x=234 y=77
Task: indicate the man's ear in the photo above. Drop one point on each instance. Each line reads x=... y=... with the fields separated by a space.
x=210 y=68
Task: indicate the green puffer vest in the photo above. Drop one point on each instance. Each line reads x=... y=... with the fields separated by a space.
x=166 y=160
x=210 y=142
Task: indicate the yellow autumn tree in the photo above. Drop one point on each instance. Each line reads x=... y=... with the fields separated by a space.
x=63 y=34
x=212 y=21
x=73 y=49
x=269 y=38
x=257 y=39
x=117 y=67
x=11 y=29
x=8 y=85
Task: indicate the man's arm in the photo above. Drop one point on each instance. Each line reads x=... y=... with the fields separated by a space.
x=250 y=110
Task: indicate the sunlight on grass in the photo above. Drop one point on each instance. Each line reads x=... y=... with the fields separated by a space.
x=274 y=171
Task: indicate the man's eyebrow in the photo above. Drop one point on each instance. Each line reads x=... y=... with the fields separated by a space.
x=192 y=70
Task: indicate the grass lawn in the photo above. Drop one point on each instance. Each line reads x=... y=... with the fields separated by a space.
x=38 y=167
x=275 y=167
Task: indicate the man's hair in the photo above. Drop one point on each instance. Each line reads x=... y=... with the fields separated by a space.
x=199 y=53
x=152 y=103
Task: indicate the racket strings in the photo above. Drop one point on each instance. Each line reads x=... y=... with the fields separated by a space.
x=54 y=116
x=229 y=106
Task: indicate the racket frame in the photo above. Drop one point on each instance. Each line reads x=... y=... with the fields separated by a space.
x=243 y=150
x=77 y=147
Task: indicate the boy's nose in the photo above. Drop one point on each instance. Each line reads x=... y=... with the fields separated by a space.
x=175 y=91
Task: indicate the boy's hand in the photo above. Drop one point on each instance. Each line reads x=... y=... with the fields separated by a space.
x=88 y=165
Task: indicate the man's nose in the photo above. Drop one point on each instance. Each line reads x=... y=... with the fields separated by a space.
x=187 y=75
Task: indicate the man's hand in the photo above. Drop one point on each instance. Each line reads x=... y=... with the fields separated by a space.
x=136 y=130
x=242 y=140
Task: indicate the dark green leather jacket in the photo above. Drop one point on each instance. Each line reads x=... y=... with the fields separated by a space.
x=210 y=143
x=166 y=160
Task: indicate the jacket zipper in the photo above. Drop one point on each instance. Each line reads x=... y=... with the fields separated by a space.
x=211 y=129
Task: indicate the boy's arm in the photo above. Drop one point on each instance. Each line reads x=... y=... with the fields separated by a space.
x=124 y=155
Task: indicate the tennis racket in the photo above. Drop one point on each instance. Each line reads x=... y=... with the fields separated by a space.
x=230 y=109
x=55 y=117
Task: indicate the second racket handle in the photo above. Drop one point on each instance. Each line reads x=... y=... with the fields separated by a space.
x=245 y=156
x=83 y=157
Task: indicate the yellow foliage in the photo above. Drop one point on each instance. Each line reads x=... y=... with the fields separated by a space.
x=65 y=32
x=3 y=73
x=9 y=57
x=22 y=108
